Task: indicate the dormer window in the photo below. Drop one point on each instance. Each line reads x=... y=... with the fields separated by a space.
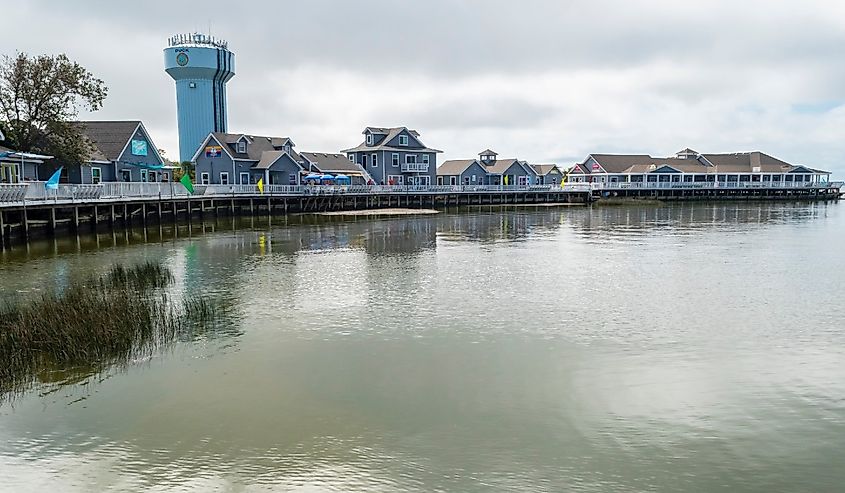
x=403 y=140
x=241 y=147
x=369 y=139
x=287 y=147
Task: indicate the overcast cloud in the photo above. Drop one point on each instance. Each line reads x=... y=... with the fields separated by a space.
x=545 y=81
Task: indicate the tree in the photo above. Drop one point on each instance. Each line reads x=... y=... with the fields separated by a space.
x=40 y=97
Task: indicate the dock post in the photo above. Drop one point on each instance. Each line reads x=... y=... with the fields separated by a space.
x=144 y=216
x=111 y=218
x=96 y=217
x=76 y=218
x=2 y=232
x=53 y=221
x=25 y=223
x=126 y=220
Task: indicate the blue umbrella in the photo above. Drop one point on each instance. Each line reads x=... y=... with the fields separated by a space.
x=327 y=177
x=313 y=176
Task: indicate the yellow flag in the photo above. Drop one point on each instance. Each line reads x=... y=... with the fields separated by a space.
x=506 y=179
x=260 y=185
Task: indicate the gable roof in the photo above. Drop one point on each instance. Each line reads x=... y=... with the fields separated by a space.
x=331 y=162
x=108 y=139
x=391 y=134
x=544 y=169
x=269 y=158
x=487 y=152
x=455 y=166
x=256 y=146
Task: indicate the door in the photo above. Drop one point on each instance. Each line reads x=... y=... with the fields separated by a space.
x=439 y=180
x=244 y=178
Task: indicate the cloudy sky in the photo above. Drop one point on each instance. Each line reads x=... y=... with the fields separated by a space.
x=545 y=81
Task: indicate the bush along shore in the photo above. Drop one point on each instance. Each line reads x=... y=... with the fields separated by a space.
x=95 y=323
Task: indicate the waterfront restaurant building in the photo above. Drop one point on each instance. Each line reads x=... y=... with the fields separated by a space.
x=242 y=159
x=689 y=166
x=488 y=169
x=120 y=151
x=395 y=156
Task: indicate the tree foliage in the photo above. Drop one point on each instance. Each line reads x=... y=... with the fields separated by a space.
x=40 y=97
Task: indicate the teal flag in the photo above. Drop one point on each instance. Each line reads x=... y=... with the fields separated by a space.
x=53 y=182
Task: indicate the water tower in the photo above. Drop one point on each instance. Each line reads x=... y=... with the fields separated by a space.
x=201 y=65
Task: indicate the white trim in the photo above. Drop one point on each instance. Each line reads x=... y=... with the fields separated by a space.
x=453 y=180
x=405 y=136
x=241 y=175
x=352 y=158
x=226 y=174
x=205 y=178
x=369 y=139
x=425 y=158
x=127 y=141
x=399 y=181
x=240 y=143
x=409 y=155
x=395 y=163
x=144 y=176
x=205 y=144
x=374 y=160
x=99 y=172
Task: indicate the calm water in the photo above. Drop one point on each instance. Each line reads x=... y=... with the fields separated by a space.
x=685 y=348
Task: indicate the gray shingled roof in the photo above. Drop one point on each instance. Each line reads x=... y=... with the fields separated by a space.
x=487 y=152
x=257 y=145
x=332 y=163
x=391 y=134
x=108 y=138
x=544 y=169
x=454 y=166
x=741 y=162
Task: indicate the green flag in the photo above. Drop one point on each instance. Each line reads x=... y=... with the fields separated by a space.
x=186 y=181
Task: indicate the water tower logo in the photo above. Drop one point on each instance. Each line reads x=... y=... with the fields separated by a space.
x=182 y=59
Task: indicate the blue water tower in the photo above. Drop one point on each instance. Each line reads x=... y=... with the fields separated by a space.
x=201 y=65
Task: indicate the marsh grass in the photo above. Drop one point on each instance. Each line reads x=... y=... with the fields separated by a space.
x=122 y=315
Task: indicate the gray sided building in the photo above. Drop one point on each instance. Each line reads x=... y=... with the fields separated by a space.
x=16 y=167
x=547 y=174
x=395 y=156
x=488 y=169
x=689 y=166
x=120 y=151
x=227 y=159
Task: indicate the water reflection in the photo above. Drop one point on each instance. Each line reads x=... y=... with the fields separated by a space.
x=691 y=347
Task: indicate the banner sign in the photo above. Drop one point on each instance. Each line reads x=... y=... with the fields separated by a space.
x=596 y=167
x=139 y=147
x=213 y=151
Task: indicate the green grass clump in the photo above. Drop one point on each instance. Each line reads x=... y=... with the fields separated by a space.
x=122 y=315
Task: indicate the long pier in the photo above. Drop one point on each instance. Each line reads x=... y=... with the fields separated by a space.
x=30 y=210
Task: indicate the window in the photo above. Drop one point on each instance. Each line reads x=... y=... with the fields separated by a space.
x=425 y=158
x=224 y=178
x=403 y=140
x=473 y=178
x=143 y=175
x=165 y=177
x=395 y=179
x=292 y=178
x=439 y=180
x=95 y=176
x=241 y=147
x=410 y=159
x=126 y=175
x=204 y=178
x=369 y=139
x=395 y=158
x=152 y=177
x=375 y=160
x=453 y=180
x=244 y=178
x=466 y=180
x=352 y=157
x=364 y=160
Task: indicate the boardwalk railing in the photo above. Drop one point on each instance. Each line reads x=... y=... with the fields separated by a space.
x=748 y=185
x=104 y=192
x=37 y=192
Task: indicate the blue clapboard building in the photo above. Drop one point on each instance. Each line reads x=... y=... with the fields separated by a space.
x=201 y=65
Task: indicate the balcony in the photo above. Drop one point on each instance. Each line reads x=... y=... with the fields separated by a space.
x=415 y=168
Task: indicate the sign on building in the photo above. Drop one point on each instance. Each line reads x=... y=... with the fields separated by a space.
x=139 y=147
x=213 y=151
